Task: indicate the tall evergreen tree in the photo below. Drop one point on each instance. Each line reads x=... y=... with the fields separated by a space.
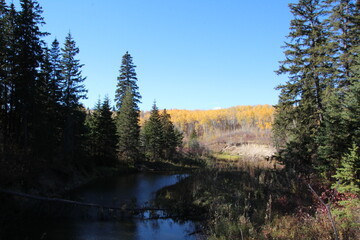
x=108 y=133
x=72 y=92
x=128 y=129
x=126 y=80
x=171 y=137
x=93 y=123
x=153 y=135
x=3 y=76
x=10 y=120
x=103 y=137
x=28 y=62
x=72 y=88
x=56 y=77
x=344 y=25
x=337 y=132
x=300 y=108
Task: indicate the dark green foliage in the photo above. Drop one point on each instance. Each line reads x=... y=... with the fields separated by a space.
x=348 y=174
x=102 y=139
x=317 y=115
x=300 y=108
x=72 y=88
x=159 y=138
x=341 y=125
x=128 y=129
x=127 y=79
x=171 y=136
x=344 y=25
x=153 y=135
x=72 y=91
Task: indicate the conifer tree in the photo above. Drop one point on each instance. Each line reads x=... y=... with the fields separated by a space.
x=103 y=137
x=72 y=92
x=3 y=75
x=126 y=80
x=171 y=137
x=28 y=60
x=9 y=116
x=153 y=135
x=72 y=88
x=337 y=132
x=128 y=129
x=55 y=72
x=108 y=133
x=344 y=25
x=92 y=123
x=301 y=104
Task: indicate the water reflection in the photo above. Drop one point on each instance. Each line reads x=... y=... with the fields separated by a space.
x=88 y=226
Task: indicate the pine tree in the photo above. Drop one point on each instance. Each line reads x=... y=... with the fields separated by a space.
x=102 y=137
x=348 y=174
x=128 y=129
x=93 y=124
x=337 y=133
x=55 y=72
x=3 y=77
x=299 y=112
x=72 y=88
x=72 y=92
x=108 y=133
x=127 y=79
x=28 y=60
x=10 y=120
x=344 y=25
x=171 y=137
x=153 y=135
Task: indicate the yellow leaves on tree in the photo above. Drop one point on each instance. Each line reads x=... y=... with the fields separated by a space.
x=228 y=119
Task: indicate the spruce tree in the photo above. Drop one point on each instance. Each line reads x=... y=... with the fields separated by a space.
x=10 y=120
x=93 y=122
x=28 y=60
x=337 y=132
x=128 y=129
x=102 y=139
x=55 y=72
x=344 y=25
x=153 y=135
x=108 y=133
x=127 y=80
x=3 y=76
x=171 y=137
x=72 y=88
x=72 y=92
x=301 y=104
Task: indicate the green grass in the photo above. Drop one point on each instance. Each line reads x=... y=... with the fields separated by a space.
x=226 y=156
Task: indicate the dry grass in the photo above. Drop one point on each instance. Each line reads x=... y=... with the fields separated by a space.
x=251 y=151
x=245 y=156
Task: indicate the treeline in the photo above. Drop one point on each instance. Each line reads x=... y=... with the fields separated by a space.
x=207 y=122
x=116 y=137
x=43 y=124
x=41 y=117
x=317 y=120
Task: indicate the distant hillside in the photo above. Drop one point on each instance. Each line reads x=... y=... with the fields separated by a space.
x=235 y=125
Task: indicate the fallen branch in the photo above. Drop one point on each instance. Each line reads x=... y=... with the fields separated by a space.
x=65 y=201
x=327 y=206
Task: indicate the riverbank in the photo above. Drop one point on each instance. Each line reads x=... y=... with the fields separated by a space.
x=54 y=182
x=240 y=199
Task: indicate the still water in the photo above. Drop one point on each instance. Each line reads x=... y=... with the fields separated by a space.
x=112 y=192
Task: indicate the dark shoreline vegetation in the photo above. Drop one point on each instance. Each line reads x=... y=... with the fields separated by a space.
x=300 y=181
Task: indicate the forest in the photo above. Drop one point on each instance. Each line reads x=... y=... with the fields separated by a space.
x=307 y=186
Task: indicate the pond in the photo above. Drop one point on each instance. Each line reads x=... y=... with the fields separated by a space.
x=137 y=189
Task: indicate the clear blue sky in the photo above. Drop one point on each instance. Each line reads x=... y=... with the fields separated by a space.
x=190 y=54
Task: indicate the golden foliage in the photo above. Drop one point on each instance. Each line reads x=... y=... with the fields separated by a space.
x=227 y=119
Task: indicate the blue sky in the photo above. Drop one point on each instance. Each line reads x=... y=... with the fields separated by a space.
x=190 y=54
